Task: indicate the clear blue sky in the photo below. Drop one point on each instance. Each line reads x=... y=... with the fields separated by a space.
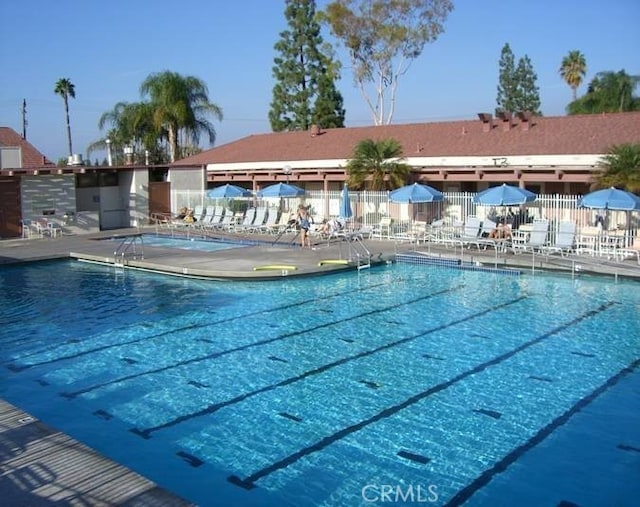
x=107 y=49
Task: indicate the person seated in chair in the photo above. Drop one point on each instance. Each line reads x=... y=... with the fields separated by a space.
x=189 y=218
x=182 y=213
x=329 y=227
x=502 y=231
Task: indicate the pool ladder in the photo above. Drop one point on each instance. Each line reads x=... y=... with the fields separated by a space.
x=358 y=250
x=131 y=247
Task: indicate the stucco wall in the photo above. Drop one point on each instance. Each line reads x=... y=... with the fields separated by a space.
x=48 y=196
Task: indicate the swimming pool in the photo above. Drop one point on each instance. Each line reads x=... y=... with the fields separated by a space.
x=405 y=383
x=188 y=242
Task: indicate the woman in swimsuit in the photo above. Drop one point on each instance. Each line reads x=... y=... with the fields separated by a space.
x=305 y=224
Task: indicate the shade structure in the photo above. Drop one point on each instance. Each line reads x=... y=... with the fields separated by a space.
x=281 y=190
x=504 y=195
x=345 y=203
x=611 y=198
x=416 y=193
x=228 y=191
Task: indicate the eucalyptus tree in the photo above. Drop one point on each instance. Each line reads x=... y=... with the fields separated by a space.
x=180 y=107
x=305 y=72
x=620 y=168
x=377 y=165
x=573 y=70
x=383 y=38
x=608 y=92
x=65 y=88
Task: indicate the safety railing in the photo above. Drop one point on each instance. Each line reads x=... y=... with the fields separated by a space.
x=132 y=247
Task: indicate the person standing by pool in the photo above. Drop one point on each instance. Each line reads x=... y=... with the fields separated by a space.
x=304 y=222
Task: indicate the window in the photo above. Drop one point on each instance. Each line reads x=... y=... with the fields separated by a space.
x=108 y=179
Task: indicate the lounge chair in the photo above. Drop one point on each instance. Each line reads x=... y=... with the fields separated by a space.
x=487 y=227
x=258 y=220
x=433 y=231
x=471 y=232
x=630 y=252
x=415 y=233
x=208 y=217
x=565 y=240
x=383 y=229
x=588 y=240
x=270 y=222
x=283 y=223
x=249 y=217
x=218 y=215
x=536 y=239
x=226 y=221
x=198 y=213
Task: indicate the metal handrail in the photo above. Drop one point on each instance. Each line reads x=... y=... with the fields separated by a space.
x=127 y=244
x=358 y=248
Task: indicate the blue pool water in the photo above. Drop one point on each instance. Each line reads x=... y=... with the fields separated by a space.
x=405 y=384
x=188 y=242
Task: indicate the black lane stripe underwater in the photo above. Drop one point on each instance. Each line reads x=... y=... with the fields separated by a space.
x=249 y=481
x=146 y=432
x=482 y=480
x=215 y=355
x=20 y=367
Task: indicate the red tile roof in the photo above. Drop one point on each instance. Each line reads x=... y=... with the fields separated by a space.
x=561 y=135
x=31 y=157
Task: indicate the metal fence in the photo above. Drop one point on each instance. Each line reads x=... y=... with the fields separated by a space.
x=370 y=207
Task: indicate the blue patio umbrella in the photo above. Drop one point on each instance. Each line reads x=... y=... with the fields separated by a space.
x=345 y=203
x=504 y=195
x=228 y=191
x=281 y=190
x=611 y=198
x=416 y=193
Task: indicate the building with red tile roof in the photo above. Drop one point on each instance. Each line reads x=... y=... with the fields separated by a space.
x=18 y=153
x=547 y=154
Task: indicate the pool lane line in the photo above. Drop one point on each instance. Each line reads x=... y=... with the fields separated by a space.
x=500 y=466
x=249 y=482
x=214 y=407
x=239 y=348
x=19 y=368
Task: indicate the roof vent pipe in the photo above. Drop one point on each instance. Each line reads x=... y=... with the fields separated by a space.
x=487 y=121
x=525 y=118
x=505 y=116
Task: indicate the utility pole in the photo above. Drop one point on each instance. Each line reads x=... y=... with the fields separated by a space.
x=24 y=119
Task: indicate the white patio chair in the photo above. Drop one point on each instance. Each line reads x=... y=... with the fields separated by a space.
x=249 y=217
x=565 y=240
x=383 y=229
x=537 y=238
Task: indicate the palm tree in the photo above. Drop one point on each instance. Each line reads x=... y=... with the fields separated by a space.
x=377 y=165
x=65 y=88
x=180 y=106
x=620 y=168
x=131 y=125
x=573 y=70
x=608 y=92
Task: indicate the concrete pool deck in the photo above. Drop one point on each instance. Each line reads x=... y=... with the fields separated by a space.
x=42 y=467
x=267 y=259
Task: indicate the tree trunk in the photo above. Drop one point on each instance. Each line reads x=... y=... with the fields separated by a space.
x=173 y=143
x=66 y=110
